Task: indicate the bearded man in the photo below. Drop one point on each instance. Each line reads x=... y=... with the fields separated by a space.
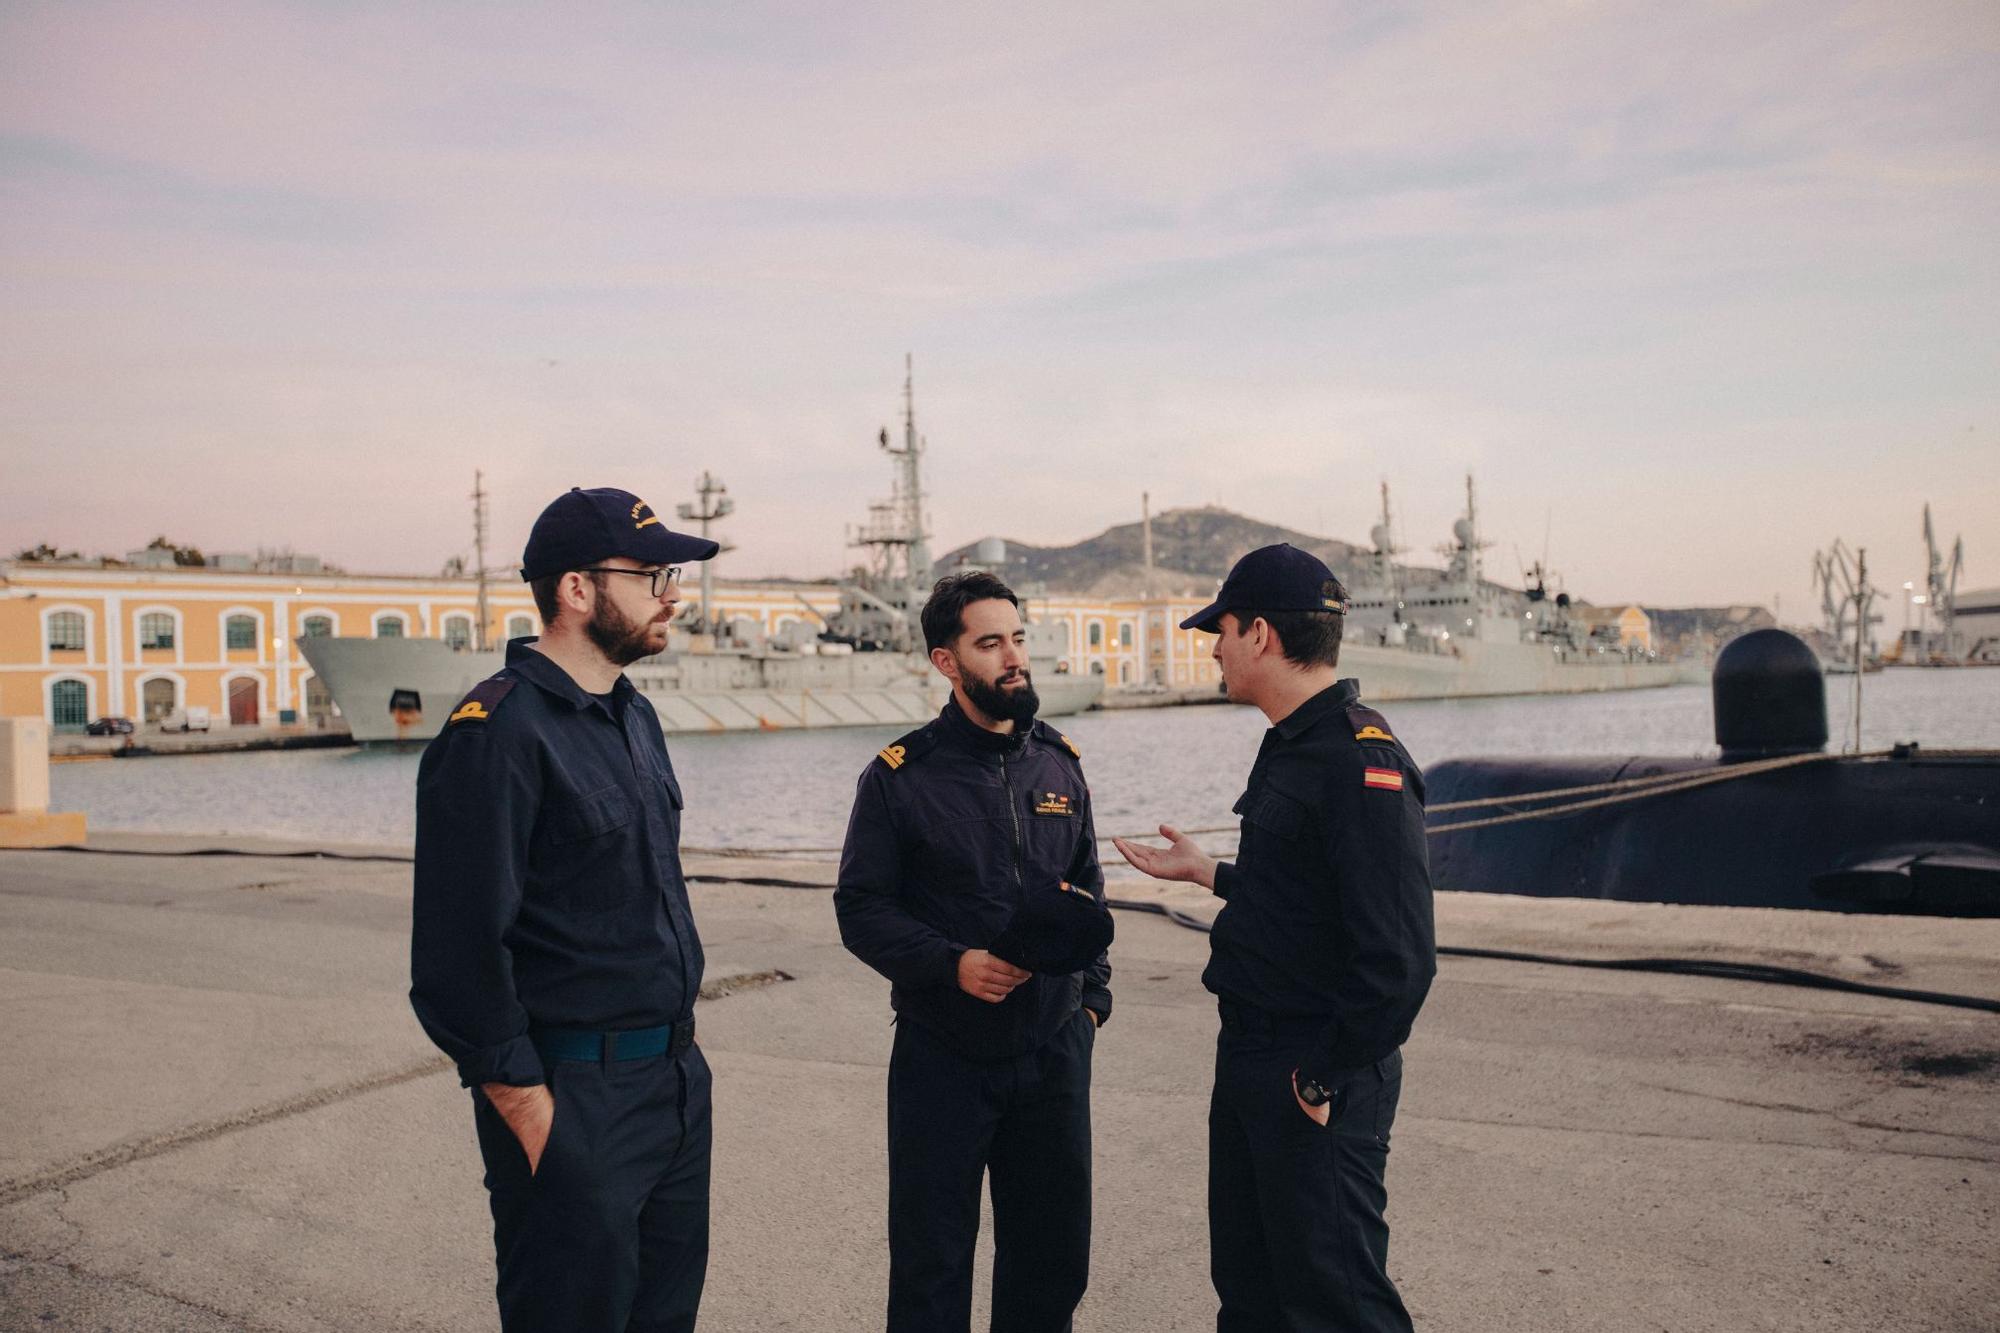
x=970 y=880
x=552 y=952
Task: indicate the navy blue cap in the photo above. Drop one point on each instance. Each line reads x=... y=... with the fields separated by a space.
x=583 y=527
x=1273 y=578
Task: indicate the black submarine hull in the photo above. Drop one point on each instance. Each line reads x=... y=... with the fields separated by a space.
x=1909 y=833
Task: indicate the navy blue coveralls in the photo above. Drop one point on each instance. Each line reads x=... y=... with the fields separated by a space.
x=1321 y=957
x=952 y=826
x=552 y=943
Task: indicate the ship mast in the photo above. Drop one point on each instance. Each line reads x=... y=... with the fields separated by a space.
x=714 y=504
x=894 y=533
x=479 y=552
x=1386 y=552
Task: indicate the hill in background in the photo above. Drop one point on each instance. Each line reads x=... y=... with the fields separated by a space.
x=1194 y=548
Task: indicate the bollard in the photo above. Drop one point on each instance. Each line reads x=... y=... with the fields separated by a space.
x=25 y=820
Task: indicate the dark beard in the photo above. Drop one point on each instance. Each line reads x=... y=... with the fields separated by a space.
x=621 y=639
x=1017 y=706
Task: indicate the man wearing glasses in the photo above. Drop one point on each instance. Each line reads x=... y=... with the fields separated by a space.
x=552 y=953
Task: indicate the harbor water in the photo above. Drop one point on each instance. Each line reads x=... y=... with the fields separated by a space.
x=1180 y=765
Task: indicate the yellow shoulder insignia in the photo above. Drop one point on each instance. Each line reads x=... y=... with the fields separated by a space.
x=892 y=755
x=1373 y=733
x=1070 y=743
x=481 y=702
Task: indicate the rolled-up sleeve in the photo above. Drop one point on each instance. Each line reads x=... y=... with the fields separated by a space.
x=476 y=806
x=874 y=925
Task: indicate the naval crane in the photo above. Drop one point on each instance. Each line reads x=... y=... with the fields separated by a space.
x=1940 y=591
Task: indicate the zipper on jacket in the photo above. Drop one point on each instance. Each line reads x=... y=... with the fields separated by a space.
x=1014 y=813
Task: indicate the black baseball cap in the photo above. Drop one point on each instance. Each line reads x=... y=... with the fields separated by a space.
x=583 y=527
x=1273 y=578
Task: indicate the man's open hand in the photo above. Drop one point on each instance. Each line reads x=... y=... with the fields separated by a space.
x=1181 y=859
x=987 y=978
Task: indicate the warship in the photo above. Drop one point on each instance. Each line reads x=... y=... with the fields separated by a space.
x=1462 y=637
x=861 y=665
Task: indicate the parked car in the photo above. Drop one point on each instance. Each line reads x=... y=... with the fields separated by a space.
x=185 y=719
x=110 y=726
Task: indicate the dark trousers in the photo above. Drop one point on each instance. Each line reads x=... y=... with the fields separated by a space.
x=1297 y=1243
x=1027 y=1121
x=610 y=1233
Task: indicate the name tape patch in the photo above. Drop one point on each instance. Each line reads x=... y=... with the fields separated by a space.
x=1053 y=803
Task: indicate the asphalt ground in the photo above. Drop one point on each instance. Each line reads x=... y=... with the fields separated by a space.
x=218 y=1114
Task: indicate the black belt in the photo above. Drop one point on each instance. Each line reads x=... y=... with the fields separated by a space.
x=1242 y=1019
x=605 y=1047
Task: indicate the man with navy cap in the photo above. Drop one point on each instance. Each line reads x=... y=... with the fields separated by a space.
x=552 y=953
x=1320 y=959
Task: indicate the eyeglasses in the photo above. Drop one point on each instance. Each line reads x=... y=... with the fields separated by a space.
x=660 y=577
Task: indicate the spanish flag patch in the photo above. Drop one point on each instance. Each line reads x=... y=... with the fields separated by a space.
x=1385 y=779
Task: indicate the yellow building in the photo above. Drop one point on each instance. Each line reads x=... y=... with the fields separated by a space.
x=1629 y=626
x=79 y=640
x=1132 y=641
x=83 y=640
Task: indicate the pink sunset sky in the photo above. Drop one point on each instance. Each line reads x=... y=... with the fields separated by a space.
x=1693 y=289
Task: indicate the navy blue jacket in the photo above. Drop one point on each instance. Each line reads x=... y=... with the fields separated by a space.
x=1327 y=909
x=548 y=871
x=952 y=826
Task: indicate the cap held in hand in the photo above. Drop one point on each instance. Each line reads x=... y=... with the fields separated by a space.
x=1055 y=931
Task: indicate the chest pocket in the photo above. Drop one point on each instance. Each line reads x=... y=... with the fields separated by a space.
x=589 y=816
x=1273 y=812
x=586 y=850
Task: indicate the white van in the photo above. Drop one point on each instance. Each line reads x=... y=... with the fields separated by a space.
x=185 y=719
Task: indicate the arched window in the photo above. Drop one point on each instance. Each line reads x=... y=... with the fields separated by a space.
x=1124 y=634
x=316 y=627
x=69 y=704
x=389 y=627
x=1097 y=634
x=156 y=630
x=157 y=698
x=239 y=632
x=319 y=701
x=520 y=627
x=66 y=630
x=458 y=632
x=245 y=694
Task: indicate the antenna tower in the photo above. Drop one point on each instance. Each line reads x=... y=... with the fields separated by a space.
x=714 y=504
x=479 y=552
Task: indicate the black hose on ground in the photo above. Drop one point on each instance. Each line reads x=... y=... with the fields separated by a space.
x=1758 y=972
x=1686 y=967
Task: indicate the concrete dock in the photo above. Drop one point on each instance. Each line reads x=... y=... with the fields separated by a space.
x=220 y=1115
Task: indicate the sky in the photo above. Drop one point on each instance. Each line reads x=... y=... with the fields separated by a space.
x=1691 y=289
